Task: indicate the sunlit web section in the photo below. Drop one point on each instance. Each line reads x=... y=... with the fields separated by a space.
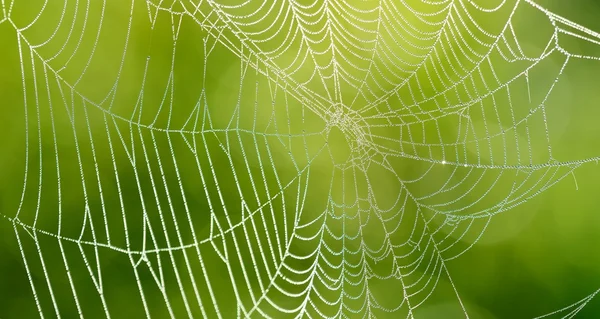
x=276 y=158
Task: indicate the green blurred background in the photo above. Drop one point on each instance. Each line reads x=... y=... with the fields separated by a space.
x=531 y=260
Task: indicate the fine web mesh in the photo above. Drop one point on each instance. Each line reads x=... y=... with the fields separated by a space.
x=275 y=158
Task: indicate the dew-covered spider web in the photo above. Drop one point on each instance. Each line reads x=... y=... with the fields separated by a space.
x=285 y=158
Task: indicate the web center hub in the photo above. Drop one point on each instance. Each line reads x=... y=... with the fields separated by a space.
x=347 y=136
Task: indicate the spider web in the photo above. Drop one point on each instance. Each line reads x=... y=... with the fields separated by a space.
x=315 y=149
